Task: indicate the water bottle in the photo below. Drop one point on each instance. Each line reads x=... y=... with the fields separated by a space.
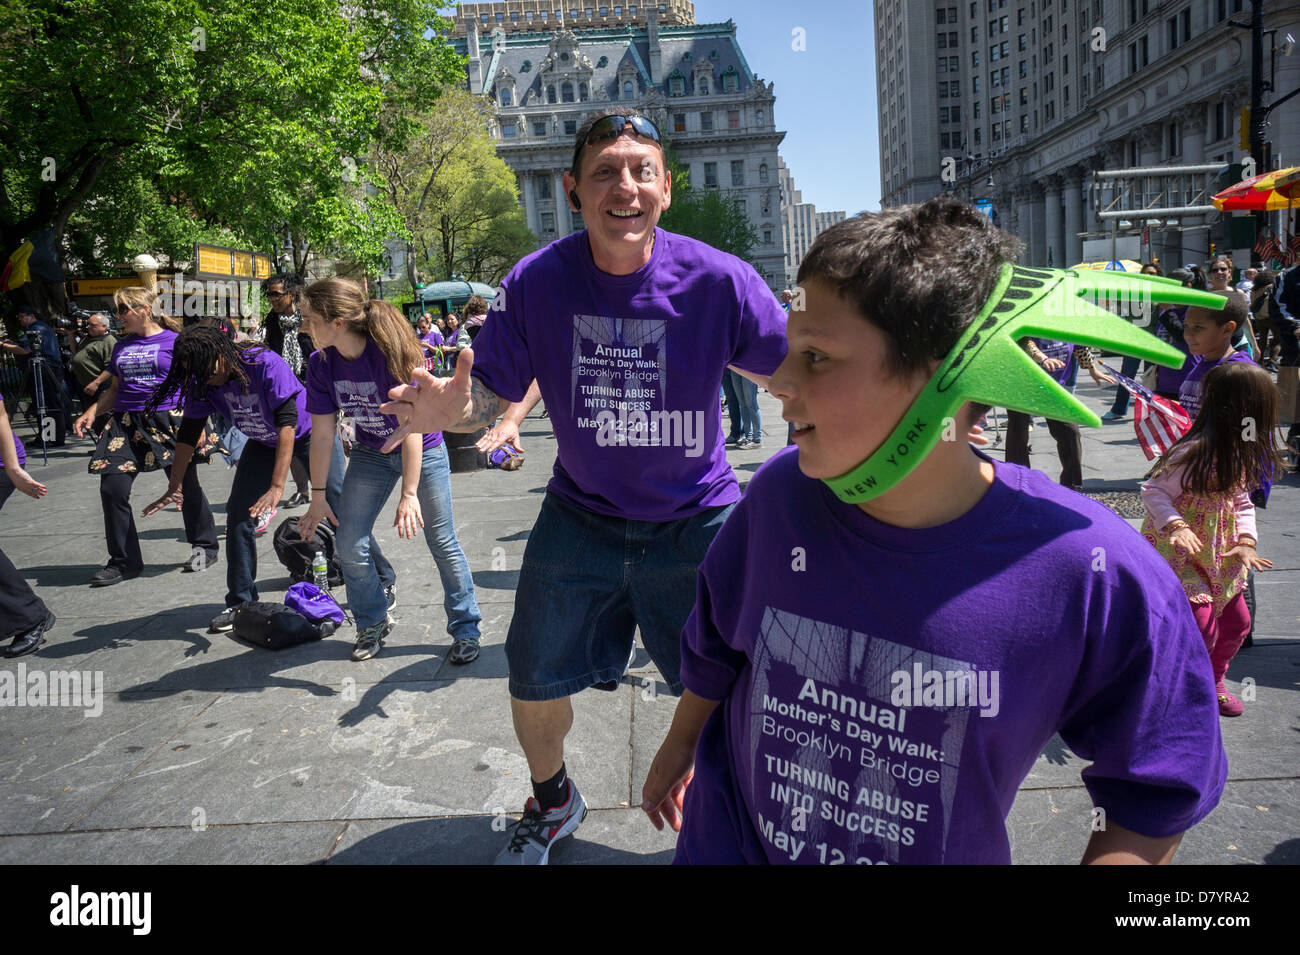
x=320 y=570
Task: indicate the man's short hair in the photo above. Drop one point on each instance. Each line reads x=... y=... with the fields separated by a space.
x=919 y=273
x=580 y=141
x=27 y=310
x=288 y=281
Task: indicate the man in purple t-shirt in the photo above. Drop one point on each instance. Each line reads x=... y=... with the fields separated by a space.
x=624 y=330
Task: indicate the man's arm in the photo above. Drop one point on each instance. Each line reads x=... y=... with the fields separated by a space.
x=507 y=432
x=1119 y=846
x=459 y=404
x=760 y=380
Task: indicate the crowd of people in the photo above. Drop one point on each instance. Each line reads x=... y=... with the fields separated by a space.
x=816 y=703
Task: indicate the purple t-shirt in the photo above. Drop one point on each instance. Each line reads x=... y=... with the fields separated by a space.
x=433 y=338
x=356 y=387
x=271 y=383
x=630 y=366
x=18 y=446
x=140 y=365
x=885 y=691
x=1061 y=351
x=1189 y=393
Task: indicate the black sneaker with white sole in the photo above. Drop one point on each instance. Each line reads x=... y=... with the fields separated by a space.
x=223 y=621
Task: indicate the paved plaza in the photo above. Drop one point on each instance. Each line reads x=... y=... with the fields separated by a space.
x=210 y=751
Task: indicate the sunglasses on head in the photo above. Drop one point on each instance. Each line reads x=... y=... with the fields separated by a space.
x=611 y=127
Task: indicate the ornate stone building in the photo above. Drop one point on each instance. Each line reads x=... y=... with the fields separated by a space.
x=692 y=79
x=1020 y=101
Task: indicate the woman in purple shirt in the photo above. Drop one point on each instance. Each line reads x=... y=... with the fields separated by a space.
x=134 y=441
x=365 y=349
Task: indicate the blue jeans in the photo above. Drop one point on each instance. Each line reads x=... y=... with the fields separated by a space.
x=1129 y=369
x=252 y=479
x=751 y=422
x=733 y=407
x=366 y=488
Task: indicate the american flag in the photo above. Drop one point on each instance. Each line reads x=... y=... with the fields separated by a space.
x=1261 y=246
x=1158 y=421
x=1292 y=250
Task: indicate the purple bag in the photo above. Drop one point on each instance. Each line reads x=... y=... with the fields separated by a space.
x=313 y=603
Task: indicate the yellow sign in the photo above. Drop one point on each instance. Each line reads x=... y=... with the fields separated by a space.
x=101 y=286
x=215 y=261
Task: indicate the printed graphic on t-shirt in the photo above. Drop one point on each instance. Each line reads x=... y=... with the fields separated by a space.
x=359 y=400
x=618 y=381
x=138 y=364
x=246 y=415
x=855 y=743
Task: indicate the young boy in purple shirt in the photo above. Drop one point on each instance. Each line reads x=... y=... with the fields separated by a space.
x=881 y=679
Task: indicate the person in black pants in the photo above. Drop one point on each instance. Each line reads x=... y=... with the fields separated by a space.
x=136 y=440
x=23 y=615
x=257 y=391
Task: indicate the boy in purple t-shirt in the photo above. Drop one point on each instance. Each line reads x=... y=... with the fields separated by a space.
x=879 y=681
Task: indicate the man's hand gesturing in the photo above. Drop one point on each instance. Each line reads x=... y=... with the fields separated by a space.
x=430 y=404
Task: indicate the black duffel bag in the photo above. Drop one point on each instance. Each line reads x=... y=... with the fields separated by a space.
x=274 y=626
x=296 y=554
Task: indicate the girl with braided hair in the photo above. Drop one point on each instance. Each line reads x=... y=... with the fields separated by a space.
x=365 y=349
x=138 y=439
x=257 y=391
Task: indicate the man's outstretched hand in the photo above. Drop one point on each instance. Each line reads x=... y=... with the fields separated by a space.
x=430 y=404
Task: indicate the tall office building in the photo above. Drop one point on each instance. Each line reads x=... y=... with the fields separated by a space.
x=1020 y=101
x=548 y=65
x=800 y=222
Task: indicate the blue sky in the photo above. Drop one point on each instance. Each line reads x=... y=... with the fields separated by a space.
x=825 y=93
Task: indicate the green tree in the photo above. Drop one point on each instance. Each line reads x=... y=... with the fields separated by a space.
x=709 y=215
x=457 y=199
x=248 y=119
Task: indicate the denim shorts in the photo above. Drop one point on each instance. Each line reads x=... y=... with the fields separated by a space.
x=587 y=582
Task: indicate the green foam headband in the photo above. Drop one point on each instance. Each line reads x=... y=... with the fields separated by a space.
x=988 y=366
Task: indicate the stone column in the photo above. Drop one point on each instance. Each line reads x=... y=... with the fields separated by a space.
x=530 y=203
x=1181 y=245
x=1052 y=223
x=1073 y=248
x=563 y=226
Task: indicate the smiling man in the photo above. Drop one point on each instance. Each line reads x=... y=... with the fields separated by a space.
x=625 y=331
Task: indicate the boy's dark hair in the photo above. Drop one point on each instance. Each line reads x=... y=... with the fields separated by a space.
x=1219 y=457
x=1235 y=311
x=580 y=140
x=919 y=273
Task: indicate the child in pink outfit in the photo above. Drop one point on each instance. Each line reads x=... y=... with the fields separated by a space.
x=1207 y=534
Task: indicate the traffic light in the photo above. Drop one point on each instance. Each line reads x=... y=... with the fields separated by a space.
x=1244 y=133
x=1212 y=247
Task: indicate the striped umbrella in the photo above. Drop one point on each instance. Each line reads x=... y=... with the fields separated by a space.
x=1279 y=189
x=1111 y=265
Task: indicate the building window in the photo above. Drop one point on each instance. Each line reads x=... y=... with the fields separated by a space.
x=1175 y=140
x=583 y=93
x=550 y=94
x=956 y=114
x=543 y=187
x=730 y=82
x=943 y=89
x=733 y=119
x=702 y=88
x=566 y=92
x=762 y=172
x=548 y=223
x=975 y=58
x=943 y=64
x=679 y=122
x=1024 y=123
x=738 y=172
x=711 y=175
x=943 y=114
x=508 y=130
x=706 y=122
x=1220 y=121
x=1023 y=70
x=539 y=127
x=676 y=86
x=767 y=236
x=505 y=97
x=627 y=90
x=570 y=127
x=954 y=88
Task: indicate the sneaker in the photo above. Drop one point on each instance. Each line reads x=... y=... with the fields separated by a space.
x=754 y=443
x=742 y=444
x=111 y=575
x=368 y=641
x=31 y=640
x=390 y=593
x=298 y=500
x=464 y=650
x=223 y=621
x=537 y=831
x=1112 y=416
x=1229 y=705
x=264 y=522
x=199 y=560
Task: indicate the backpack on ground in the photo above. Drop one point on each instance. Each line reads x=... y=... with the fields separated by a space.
x=296 y=554
x=316 y=605
x=273 y=626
